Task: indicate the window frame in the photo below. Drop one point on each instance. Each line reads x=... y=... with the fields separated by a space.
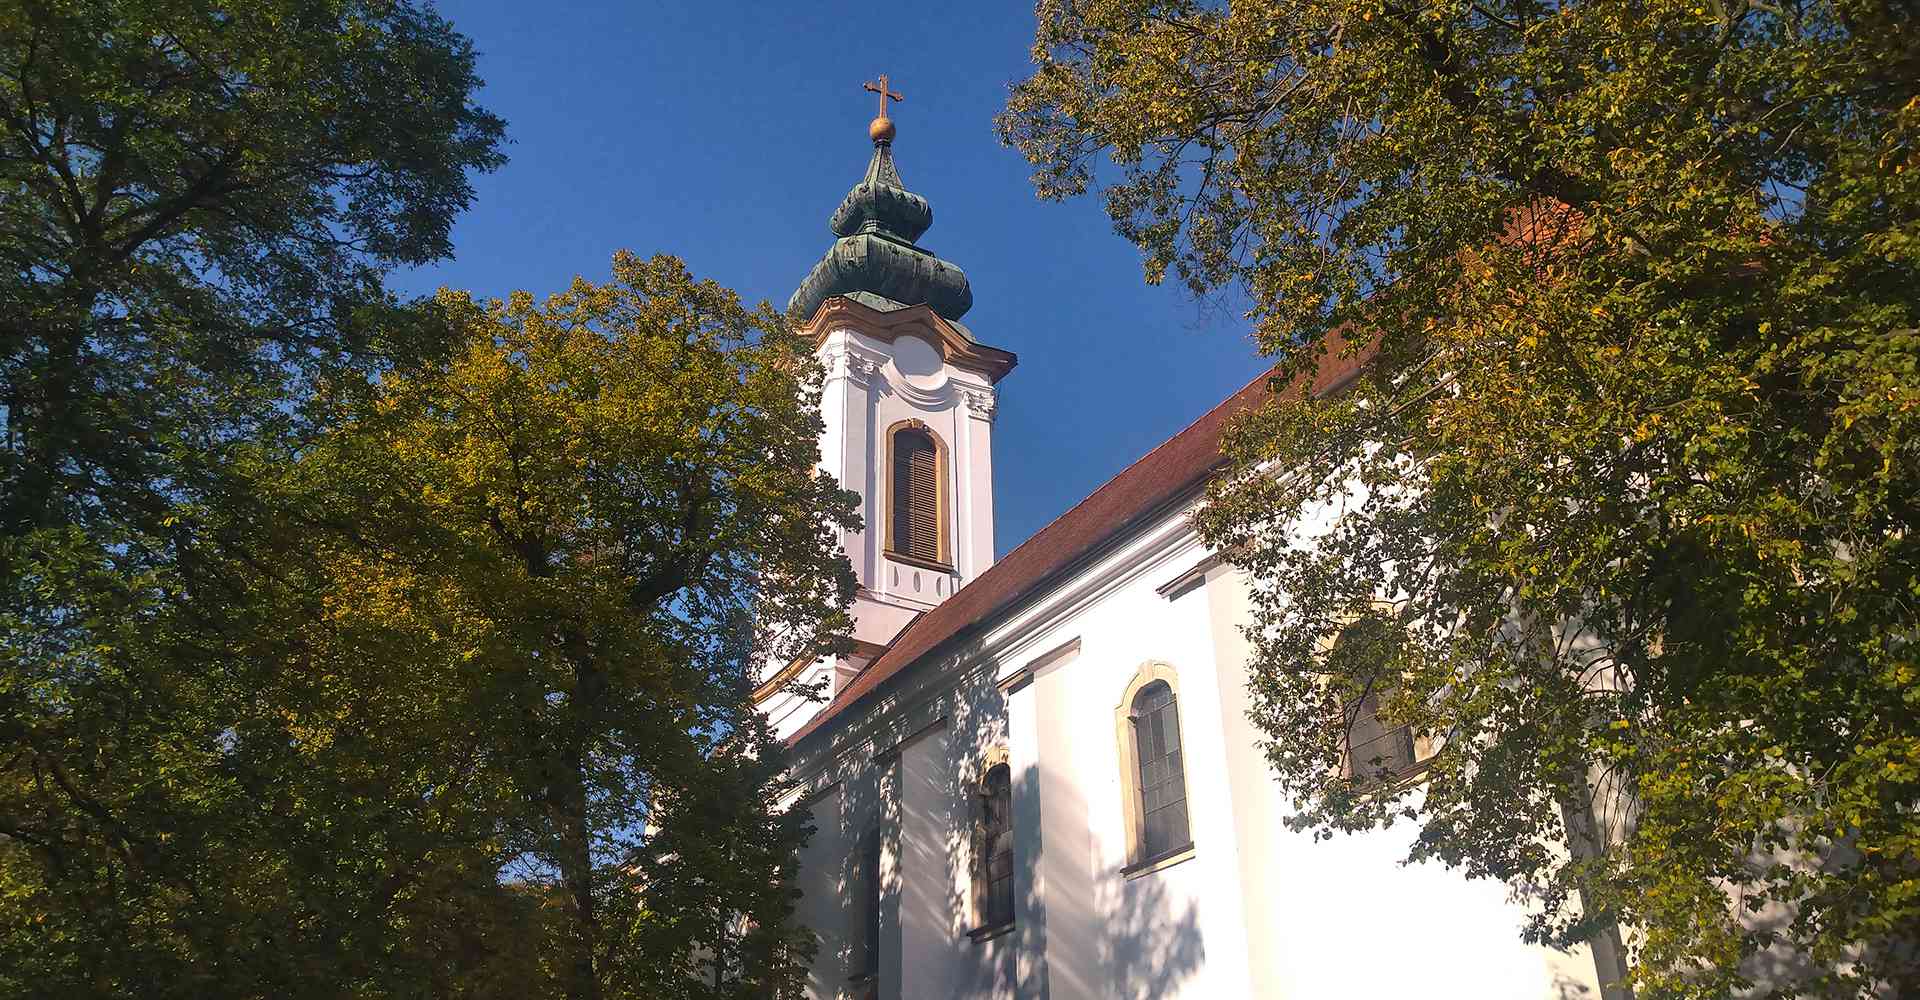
x=943 y=498
x=986 y=922
x=1420 y=750
x=869 y=857
x=1402 y=734
x=1138 y=863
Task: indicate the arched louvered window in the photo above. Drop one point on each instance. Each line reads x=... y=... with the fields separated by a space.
x=915 y=528
x=1162 y=780
x=994 y=873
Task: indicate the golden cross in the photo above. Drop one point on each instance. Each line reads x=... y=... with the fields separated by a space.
x=885 y=94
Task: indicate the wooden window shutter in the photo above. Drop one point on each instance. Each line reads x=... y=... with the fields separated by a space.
x=916 y=496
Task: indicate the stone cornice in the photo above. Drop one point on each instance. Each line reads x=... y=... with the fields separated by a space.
x=956 y=348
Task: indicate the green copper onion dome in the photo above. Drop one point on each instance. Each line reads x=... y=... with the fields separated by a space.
x=875 y=260
x=881 y=204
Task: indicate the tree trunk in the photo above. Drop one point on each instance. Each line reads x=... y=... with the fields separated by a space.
x=1585 y=841
x=43 y=426
x=576 y=870
x=576 y=826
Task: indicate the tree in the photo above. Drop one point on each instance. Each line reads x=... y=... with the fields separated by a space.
x=599 y=518
x=1629 y=485
x=197 y=205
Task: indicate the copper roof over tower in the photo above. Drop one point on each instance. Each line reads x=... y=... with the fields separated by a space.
x=877 y=260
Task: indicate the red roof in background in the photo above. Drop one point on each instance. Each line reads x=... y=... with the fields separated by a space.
x=1177 y=465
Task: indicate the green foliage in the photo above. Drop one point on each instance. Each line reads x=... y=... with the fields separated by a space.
x=601 y=517
x=1634 y=468
x=197 y=205
x=358 y=648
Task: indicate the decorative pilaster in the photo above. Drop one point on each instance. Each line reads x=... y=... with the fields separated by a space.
x=1029 y=884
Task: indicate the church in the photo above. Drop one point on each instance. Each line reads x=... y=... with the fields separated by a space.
x=1034 y=776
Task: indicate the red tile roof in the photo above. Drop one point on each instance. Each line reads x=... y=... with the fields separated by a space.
x=1176 y=466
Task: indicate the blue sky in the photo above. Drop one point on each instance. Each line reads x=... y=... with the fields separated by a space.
x=726 y=133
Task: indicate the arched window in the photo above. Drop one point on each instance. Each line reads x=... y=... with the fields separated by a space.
x=1162 y=780
x=1375 y=750
x=915 y=527
x=1153 y=777
x=993 y=864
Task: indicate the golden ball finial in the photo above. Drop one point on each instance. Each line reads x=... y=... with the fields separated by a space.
x=881 y=130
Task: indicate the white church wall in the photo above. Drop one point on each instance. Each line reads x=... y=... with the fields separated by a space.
x=885 y=618
x=1258 y=813
x=973 y=485
x=872 y=385
x=1257 y=911
x=838 y=440
x=1325 y=909
x=977 y=733
x=931 y=961
x=1066 y=877
x=1027 y=945
x=1355 y=919
x=824 y=900
x=886 y=817
x=1172 y=932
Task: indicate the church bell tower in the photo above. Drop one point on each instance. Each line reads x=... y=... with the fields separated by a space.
x=908 y=404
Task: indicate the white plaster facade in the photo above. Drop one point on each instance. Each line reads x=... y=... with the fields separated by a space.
x=882 y=371
x=1253 y=910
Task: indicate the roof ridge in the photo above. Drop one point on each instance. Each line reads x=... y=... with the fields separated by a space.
x=1191 y=424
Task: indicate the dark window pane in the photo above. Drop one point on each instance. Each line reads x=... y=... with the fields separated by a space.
x=1163 y=794
x=870 y=929
x=1177 y=833
x=997 y=848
